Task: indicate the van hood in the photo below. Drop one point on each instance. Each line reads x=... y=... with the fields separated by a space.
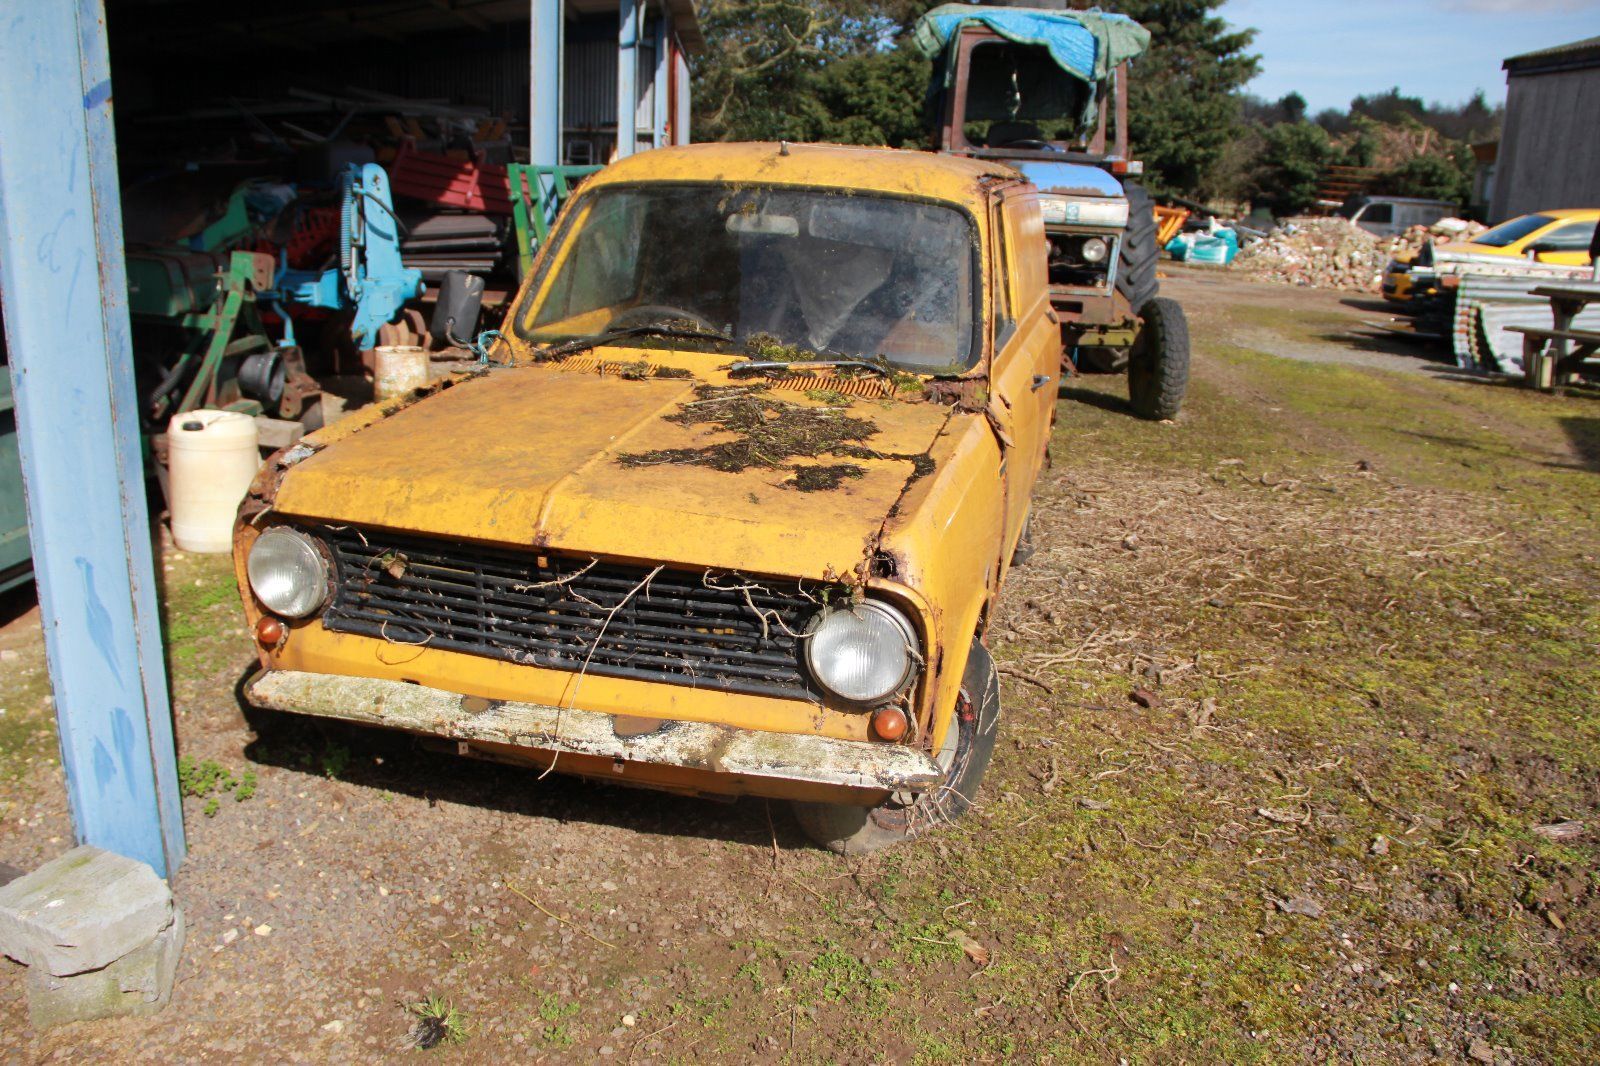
x=628 y=469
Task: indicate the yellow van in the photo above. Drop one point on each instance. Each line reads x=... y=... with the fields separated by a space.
x=726 y=509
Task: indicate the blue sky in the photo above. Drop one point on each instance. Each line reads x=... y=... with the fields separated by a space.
x=1332 y=50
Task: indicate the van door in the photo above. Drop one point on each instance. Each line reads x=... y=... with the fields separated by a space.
x=1027 y=344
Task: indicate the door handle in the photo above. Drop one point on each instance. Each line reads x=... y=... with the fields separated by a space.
x=1040 y=381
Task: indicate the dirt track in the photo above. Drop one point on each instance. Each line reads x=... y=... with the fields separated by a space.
x=1363 y=603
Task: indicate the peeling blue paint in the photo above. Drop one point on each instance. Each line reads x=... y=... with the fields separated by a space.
x=97 y=95
x=122 y=736
x=105 y=771
x=98 y=619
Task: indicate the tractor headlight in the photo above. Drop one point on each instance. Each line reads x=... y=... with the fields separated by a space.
x=1062 y=210
x=864 y=653
x=1095 y=249
x=287 y=573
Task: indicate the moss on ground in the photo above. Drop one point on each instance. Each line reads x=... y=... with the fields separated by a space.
x=1366 y=607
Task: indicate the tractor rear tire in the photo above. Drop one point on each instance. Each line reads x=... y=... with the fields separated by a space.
x=1136 y=259
x=969 y=747
x=1158 y=365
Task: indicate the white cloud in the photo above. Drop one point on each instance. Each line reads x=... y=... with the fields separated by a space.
x=1521 y=7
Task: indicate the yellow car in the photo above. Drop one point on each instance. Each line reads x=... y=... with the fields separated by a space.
x=726 y=510
x=1558 y=238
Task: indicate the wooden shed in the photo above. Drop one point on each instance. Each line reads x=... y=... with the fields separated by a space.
x=1550 y=149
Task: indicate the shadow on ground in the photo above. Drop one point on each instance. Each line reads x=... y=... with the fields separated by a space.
x=1094 y=398
x=391 y=761
x=1369 y=305
x=17 y=603
x=1584 y=436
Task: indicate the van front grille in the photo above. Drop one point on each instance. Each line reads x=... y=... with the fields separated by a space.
x=702 y=629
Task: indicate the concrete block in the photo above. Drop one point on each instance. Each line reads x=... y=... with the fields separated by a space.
x=139 y=983
x=275 y=433
x=82 y=911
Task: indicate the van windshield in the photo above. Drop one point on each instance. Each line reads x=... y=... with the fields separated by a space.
x=1513 y=231
x=832 y=273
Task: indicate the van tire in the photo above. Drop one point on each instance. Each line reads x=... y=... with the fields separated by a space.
x=1025 y=546
x=1158 y=365
x=1138 y=253
x=850 y=830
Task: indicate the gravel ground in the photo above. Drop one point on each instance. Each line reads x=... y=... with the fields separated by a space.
x=1121 y=891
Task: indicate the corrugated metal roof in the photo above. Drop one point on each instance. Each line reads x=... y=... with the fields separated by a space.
x=1577 y=54
x=299 y=25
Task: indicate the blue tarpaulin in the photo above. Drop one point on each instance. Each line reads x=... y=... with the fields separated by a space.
x=1087 y=44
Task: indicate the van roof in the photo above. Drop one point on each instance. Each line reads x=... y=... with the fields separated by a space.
x=881 y=170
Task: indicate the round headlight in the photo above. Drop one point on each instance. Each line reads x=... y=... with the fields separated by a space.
x=862 y=654
x=1095 y=249
x=287 y=573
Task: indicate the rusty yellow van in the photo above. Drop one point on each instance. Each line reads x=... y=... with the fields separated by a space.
x=726 y=508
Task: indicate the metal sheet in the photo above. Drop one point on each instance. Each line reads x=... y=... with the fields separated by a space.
x=1488 y=305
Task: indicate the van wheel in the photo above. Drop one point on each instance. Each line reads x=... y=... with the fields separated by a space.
x=967 y=750
x=1158 y=365
x=1025 y=546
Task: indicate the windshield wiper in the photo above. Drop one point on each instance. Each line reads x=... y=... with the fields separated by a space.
x=600 y=340
x=760 y=366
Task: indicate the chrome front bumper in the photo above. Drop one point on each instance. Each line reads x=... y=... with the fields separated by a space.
x=692 y=745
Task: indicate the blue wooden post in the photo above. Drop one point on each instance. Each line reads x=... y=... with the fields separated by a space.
x=628 y=78
x=66 y=317
x=546 y=81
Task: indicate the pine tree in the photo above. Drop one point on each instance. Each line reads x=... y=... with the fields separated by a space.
x=1183 y=99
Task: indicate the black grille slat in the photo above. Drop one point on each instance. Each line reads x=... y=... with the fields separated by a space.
x=442 y=620
x=657 y=593
x=503 y=604
x=732 y=643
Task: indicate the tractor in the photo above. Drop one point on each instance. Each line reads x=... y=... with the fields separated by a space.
x=1042 y=88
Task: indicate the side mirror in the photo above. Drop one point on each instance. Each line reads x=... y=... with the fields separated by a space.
x=455 y=316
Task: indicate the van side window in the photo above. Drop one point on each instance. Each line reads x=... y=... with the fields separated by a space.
x=1005 y=316
x=1379 y=214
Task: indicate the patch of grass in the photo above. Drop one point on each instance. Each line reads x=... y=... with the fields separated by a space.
x=557 y=1031
x=1414 y=696
x=437 y=1022
x=208 y=778
x=838 y=976
x=334 y=760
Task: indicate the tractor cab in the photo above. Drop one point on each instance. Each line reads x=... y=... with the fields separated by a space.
x=1045 y=90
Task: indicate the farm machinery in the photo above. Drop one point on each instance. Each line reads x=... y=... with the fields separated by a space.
x=1045 y=90
x=216 y=317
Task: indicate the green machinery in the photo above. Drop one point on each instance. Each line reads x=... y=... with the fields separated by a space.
x=537 y=195
x=203 y=343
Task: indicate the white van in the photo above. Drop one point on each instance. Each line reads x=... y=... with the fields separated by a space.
x=1387 y=216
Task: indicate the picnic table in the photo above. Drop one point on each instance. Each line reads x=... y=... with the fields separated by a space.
x=1553 y=354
